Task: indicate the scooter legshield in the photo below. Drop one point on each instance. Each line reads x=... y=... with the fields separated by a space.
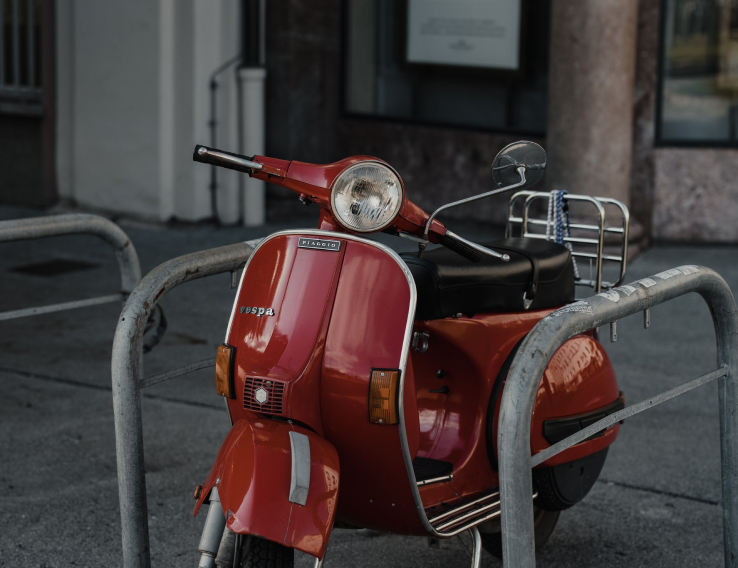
x=253 y=472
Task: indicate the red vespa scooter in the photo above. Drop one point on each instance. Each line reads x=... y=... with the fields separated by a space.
x=364 y=386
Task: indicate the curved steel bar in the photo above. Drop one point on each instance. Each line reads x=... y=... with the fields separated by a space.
x=521 y=172
x=74 y=224
x=553 y=331
x=626 y=232
x=126 y=370
x=477 y=550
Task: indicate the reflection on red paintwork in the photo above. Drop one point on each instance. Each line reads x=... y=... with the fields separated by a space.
x=254 y=468
x=338 y=316
x=471 y=352
x=281 y=347
x=367 y=331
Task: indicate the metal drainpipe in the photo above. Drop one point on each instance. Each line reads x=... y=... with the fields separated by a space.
x=213 y=132
x=252 y=107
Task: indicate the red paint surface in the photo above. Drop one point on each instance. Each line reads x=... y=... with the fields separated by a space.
x=298 y=285
x=579 y=378
x=338 y=316
x=471 y=351
x=254 y=467
x=367 y=331
x=314 y=182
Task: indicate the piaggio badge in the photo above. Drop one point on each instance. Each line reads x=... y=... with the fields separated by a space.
x=319 y=244
x=258 y=312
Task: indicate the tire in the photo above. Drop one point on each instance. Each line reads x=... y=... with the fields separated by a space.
x=258 y=552
x=544 y=523
x=561 y=486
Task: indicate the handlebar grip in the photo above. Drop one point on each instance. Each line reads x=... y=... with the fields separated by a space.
x=210 y=156
x=460 y=248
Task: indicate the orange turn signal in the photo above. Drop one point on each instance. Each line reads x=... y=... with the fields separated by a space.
x=224 y=371
x=383 y=387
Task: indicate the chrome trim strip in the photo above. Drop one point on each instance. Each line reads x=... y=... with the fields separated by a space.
x=256 y=245
x=300 y=479
x=465 y=506
x=469 y=514
x=448 y=477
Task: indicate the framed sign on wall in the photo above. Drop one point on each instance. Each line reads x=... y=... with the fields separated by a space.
x=479 y=64
x=471 y=33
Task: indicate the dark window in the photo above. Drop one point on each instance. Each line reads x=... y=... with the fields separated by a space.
x=455 y=62
x=698 y=98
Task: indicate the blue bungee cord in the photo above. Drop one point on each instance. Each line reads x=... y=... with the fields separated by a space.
x=558 y=222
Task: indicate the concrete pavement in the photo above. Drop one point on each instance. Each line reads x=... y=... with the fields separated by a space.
x=656 y=504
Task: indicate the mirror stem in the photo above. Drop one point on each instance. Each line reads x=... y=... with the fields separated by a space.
x=521 y=173
x=484 y=250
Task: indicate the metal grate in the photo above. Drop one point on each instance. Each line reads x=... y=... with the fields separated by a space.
x=274 y=395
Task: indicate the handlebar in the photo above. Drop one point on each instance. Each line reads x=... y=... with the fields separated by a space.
x=469 y=250
x=460 y=248
x=276 y=171
x=214 y=157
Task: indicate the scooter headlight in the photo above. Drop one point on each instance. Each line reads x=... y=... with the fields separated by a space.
x=366 y=197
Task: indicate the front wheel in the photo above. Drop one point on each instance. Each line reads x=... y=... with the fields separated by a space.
x=544 y=523
x=255 y=552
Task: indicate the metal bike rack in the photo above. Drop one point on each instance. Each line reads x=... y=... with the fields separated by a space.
x=127 y=383
x=551 y=333
x=76 y=224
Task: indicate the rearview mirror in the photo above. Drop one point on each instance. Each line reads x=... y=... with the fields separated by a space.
x=523 y=153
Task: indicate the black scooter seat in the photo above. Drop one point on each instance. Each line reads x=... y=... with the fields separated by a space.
x=448 y=284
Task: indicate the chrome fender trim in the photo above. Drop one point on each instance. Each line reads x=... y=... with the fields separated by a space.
x=300 y=480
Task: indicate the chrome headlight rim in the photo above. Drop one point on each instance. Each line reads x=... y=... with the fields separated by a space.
x=379 y=227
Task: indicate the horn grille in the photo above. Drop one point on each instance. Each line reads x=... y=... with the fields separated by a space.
x=275 y=395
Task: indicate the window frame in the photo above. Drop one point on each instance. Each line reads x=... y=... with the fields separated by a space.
x=659 y=141
x=345 y=113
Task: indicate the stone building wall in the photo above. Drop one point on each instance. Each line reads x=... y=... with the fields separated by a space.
x=676 y=194
x=305 y=121
x=644 y=113
x=696 y=195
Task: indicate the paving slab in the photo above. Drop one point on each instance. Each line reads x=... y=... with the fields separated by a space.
x=656 y=504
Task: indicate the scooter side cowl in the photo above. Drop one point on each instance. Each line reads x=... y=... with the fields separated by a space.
x=256 y=498
x=279 y=349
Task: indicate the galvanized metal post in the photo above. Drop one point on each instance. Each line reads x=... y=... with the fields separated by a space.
x=75 y=224
x=553 y=331
x=126 y=375
x=726 y=329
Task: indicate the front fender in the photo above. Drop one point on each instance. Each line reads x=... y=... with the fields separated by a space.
x=253 y=471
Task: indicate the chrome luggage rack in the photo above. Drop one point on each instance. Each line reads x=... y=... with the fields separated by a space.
x=526 y=223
